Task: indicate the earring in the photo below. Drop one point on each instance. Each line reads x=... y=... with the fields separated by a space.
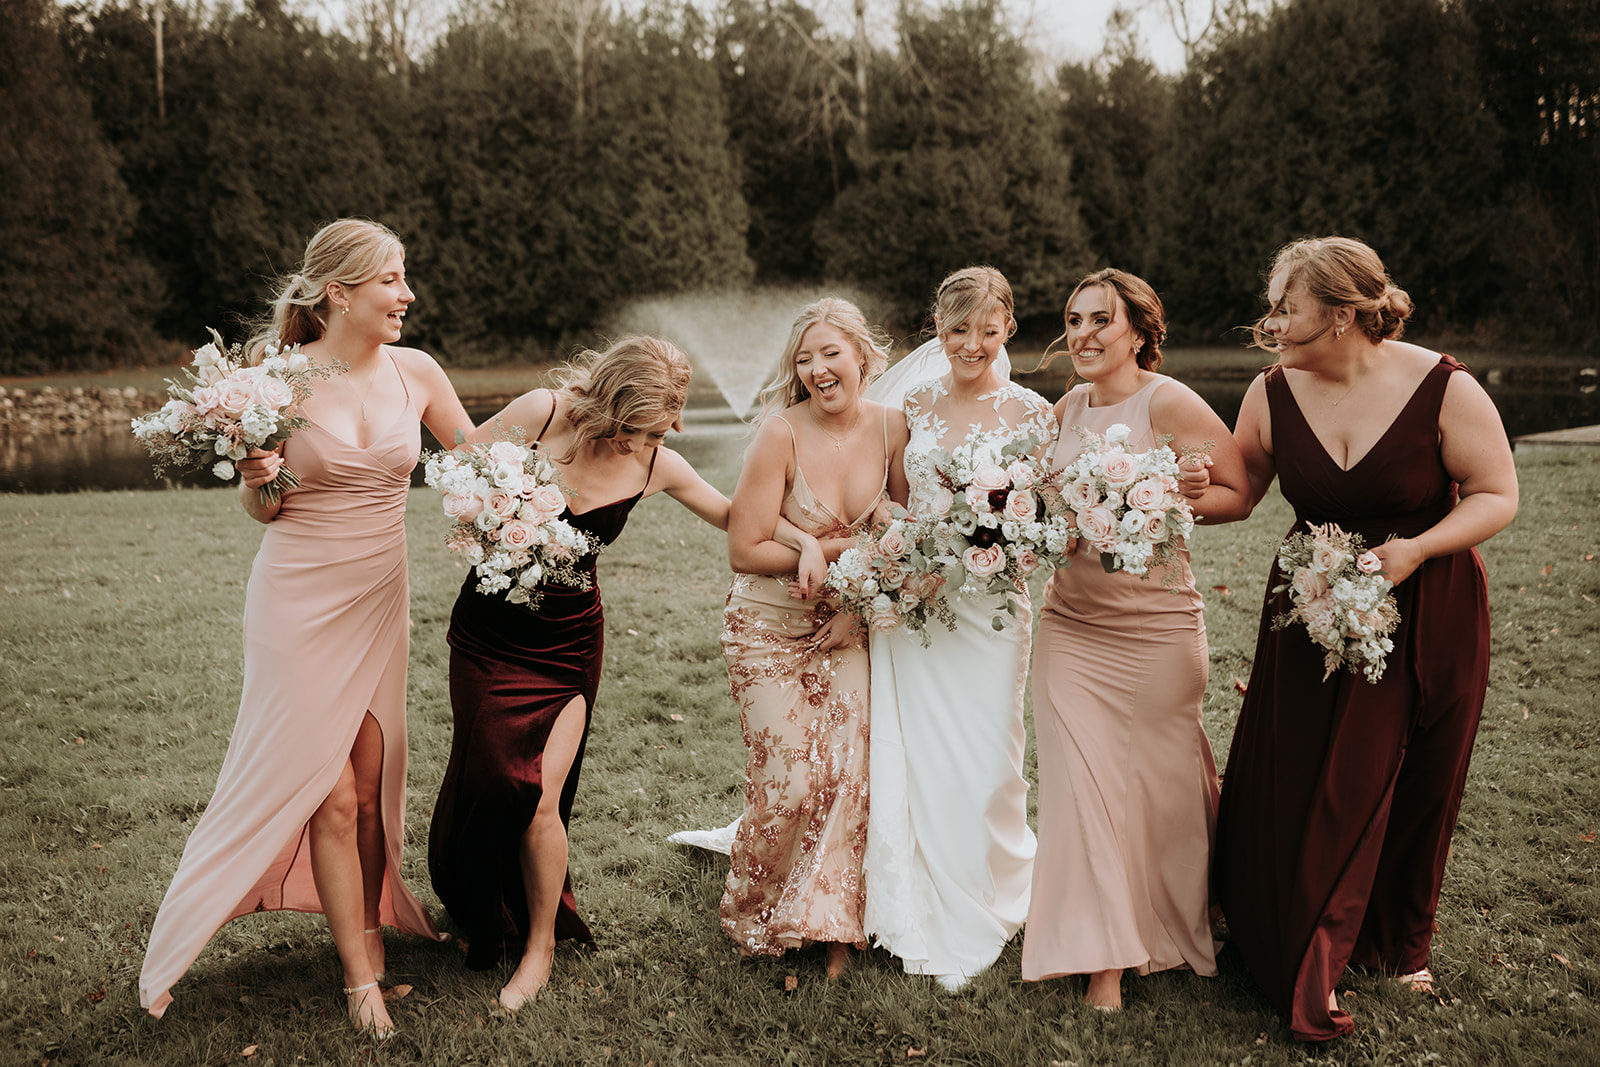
x=1338 y=333
x=345 y=310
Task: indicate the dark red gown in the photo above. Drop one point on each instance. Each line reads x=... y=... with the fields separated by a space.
x=512 y=671
x=1340 y=797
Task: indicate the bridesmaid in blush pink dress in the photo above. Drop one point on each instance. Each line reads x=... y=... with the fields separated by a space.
x=1127 y=786
x=309 y=806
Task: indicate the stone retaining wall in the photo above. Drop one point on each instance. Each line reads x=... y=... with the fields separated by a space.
x=35 y=412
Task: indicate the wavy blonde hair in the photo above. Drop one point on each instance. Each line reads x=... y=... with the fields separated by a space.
x=871 y=346
x=1339 y=272
x=637 y=381
x=346 y=252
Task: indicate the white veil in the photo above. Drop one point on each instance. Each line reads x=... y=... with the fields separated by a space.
x=925 y=362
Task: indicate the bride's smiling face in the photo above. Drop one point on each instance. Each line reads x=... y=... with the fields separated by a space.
x=973 y=346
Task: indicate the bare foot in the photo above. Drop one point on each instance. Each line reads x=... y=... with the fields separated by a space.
x=375 y=951
x=838 y=956
x=531 y=975
x=1420 y=981
x=364 y=1003
x=1105 y=991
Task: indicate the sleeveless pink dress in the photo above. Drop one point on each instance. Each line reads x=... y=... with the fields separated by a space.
x=326 y=634
x=1127 y=784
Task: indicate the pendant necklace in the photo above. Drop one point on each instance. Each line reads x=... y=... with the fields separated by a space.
x=1316 y=381
x=363 y=396
x=838 y=442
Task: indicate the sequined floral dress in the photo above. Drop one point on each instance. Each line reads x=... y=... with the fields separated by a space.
x=949 y=852
x=795 y=871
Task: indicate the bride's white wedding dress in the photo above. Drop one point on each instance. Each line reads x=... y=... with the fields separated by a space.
x=949 y=852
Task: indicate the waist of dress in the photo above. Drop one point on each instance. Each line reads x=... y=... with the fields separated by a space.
x=773 y=590
x=1376 y=529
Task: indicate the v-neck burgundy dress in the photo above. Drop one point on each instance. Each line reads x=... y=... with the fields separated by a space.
x=512 y=672
x=1340 y=797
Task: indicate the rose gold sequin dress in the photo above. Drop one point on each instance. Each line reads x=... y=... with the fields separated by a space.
x=795 y=873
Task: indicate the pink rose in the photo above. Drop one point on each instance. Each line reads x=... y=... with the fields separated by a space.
x=893 y=575
x=272 y=393
x=233 y=396
x=939 y=501
x=1021 y=474
x=925 y=584
x=1098 y=526
x=516 y=534
x=206 y=400
x=557 y=550
x=1155 y=527
x=502 y=503
x=1027 y=561
x=1082 y=494
x=1325 y=557
x=545 y=503
x=505 y=452
x=908 y=601
x=984 y=561
x=1148 y=495
x=1119 y=469
x=1022 y=505
x=529 y=484
x=989 y=477
x=884 y=621
x=977 y=498
x=1308 y=584
x=463 y=506
x=893 y=542
x=1369 y=563
x=1321 y=615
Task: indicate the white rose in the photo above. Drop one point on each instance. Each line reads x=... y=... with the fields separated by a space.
x=223 y=470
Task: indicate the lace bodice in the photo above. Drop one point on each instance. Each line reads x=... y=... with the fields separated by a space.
x=1018 y=412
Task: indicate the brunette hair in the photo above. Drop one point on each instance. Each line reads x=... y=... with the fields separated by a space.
x=970 y=295
x=1146 y=316
x=346 y=252
x=871 y=345
x=1338 y=272
x=637 y=381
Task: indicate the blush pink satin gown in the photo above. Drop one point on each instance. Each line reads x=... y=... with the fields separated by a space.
x=325 y=641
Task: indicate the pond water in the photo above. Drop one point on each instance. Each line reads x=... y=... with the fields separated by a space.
x=112 y=459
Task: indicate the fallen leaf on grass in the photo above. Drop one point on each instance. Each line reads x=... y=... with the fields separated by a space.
x=248 y=1051
x=1524 y=711
x=633 y=632
x=790 y=983
x=1222 y=589
x=675 y=717
x=1240 y=685
x=1548 y=568
x=1559 y=958
x=397 y=992
x=1587 y=839
x=913 y=1053
x=1261 y=1039
x=95 y=996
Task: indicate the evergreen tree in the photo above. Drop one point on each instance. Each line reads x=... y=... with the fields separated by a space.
x=77 y=295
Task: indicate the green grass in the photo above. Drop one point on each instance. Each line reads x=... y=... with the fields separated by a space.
x=119 y=657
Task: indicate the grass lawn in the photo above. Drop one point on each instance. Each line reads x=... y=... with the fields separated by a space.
x=119 y=654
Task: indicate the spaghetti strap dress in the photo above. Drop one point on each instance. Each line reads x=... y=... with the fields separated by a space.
x=512 y=672
x=1340 y=796
x=326 y=635
x=795 y=871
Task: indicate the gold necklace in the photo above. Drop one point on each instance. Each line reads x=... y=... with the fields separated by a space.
x=363 y=397
x=838 y=442
x=1316 y=381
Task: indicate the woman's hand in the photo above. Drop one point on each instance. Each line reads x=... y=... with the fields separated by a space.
x=838 y=632
x=812 y=574
x=259 y=467
x=1401 y=557
x=1194 y=475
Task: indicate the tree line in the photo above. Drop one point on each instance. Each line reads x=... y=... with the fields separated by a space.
x=547 y=161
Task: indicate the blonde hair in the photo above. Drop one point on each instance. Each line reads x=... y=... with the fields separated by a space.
x=969 y=296
x=345 y=252
x=637 y=382
x=1339 y=272
x=871 y=345
x=1146 y=316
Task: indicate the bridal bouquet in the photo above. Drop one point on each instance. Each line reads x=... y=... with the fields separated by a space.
x=507 y=502
x=889 y=579
x=991 y=526
x=226 y=408
x=1340 y=597
x=1125 y=504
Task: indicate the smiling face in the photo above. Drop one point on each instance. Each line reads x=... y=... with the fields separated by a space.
x=973 y=346
x=630 y=438
x=828 y=366
x=1295 y=318
x=377 y=306
x=1099 y=336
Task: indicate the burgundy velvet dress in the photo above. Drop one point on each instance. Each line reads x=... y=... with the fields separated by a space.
x=512 y=672
x=1340 y=797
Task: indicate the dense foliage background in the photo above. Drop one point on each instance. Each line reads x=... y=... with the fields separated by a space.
x=547 y=161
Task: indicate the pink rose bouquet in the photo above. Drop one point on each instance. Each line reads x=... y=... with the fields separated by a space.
x=1126 y=504
x=889 y=578
x=227 y=408
x=1337 y=591
x=507 y=504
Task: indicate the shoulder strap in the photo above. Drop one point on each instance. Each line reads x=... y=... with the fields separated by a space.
x=552 y=417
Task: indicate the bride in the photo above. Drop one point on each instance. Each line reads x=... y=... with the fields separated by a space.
x=949 y=853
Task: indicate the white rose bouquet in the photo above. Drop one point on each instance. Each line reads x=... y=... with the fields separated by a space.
x=889 y=579
x=1337 y=591
x=1127 y=505
x=227 y=408
x=507 y=503
x=997 y=527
